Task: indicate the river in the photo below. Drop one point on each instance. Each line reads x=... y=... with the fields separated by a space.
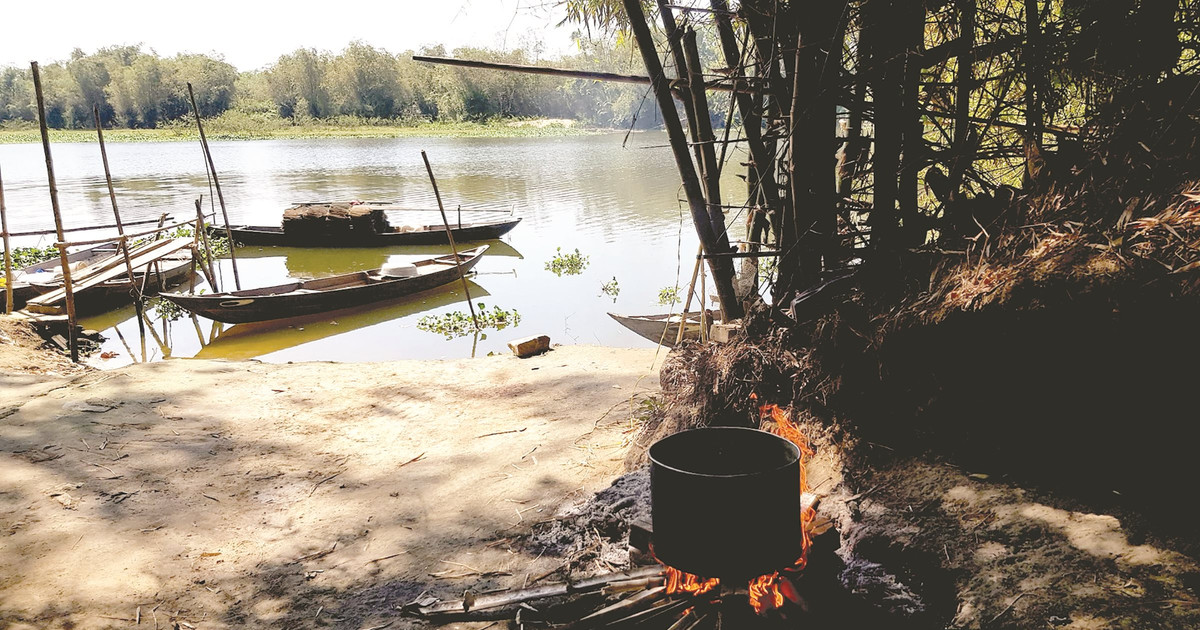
x=616 y=200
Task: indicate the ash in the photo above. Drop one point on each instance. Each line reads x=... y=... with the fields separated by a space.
x=594 y=534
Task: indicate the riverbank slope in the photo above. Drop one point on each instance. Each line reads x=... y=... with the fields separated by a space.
x=232 y=494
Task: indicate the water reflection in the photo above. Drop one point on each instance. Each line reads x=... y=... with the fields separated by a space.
x=245 y=341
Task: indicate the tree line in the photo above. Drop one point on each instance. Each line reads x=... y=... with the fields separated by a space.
x=136 y=88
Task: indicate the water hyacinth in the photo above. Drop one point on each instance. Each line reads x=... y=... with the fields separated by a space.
x=459 y=324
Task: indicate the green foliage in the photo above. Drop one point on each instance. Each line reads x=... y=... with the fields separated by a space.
x=165 y=309
x=611 y=289
x=460 y=324
x=25 y=256
x=668 y=296
x=567 y=264
x=135 y=88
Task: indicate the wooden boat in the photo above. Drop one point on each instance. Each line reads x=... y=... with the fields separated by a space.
x=45 y=277
x=327 y=294
x=420 y=235
x=663 y=328
x=27 y=280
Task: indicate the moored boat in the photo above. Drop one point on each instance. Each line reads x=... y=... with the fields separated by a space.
x=397 y=235
x=662 y=328
x=327 y=294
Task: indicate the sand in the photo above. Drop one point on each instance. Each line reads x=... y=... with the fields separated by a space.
x=241 y=494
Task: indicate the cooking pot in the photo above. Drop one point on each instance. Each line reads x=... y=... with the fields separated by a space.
x=725 y=502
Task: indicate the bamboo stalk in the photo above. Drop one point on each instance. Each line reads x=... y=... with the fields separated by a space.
x=687 y=303
x=73 y=342
x=83 y=229
x=207 y=261
x=8 y=270
x=237 y=282
x=450 y=236
x=136 y=291
x=723 y=272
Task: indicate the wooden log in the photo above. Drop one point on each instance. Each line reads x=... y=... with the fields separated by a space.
x=8 y=270
x=679 y=149
x=529 y=346
x=237 y=282
x=58 y=224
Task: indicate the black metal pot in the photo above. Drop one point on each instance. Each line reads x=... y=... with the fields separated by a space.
x=726 y=502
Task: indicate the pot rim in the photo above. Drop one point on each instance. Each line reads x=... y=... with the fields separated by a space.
x=795 y=450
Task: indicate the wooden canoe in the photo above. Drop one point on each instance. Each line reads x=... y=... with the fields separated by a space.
x=324 y=294
x=28 y=282
x=421 y=235
x=662 y=328
x=46 y=277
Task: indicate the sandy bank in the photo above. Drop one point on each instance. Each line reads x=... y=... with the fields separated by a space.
x=227 y=494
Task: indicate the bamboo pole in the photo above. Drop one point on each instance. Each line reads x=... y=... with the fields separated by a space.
x=675 y=41
x=450 y=236
x=739 y=86
x=73 y=342
x=687 y=303
x=136 y=291
x=8 y=270
x=962 y=99
x=722 y=268
x=84 y=229
x=206 y=261
x=1033 y=106
x=237 y=282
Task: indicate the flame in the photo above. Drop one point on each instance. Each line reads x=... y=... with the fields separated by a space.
x=681 y=582
x=767 y=592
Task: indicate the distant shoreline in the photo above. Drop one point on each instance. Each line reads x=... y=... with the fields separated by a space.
x=215 y=129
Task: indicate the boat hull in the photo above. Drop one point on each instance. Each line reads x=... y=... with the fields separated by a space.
x=294 y=300
x=429 y=235
x=661 y=329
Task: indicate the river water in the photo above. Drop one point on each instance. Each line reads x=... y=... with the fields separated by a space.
x=617 y=201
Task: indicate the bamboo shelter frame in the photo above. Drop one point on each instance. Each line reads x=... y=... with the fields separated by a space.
x=849 y=110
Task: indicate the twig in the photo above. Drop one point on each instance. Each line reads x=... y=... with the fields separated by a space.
x=318 y=484
x=1007 y=608
x=385 y=557
x=208 y=497
x=138 y=617
x=502 y=432
x=415 y=459
x=318 y=554
x=77 y=542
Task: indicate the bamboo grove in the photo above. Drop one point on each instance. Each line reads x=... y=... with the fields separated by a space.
x=875 y=127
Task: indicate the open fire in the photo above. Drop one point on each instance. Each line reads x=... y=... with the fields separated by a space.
x=766 y=592
x=727 y=479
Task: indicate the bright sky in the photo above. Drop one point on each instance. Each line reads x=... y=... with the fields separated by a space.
x=253 y=33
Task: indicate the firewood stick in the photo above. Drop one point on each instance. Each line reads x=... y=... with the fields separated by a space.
x=623 y=607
